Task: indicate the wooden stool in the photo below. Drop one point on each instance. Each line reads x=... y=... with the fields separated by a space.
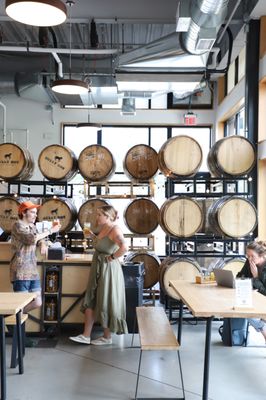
x=11 y=321
x=156 y=333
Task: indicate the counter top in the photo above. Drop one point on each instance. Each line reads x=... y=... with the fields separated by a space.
x=6 y=254
x=70 y=259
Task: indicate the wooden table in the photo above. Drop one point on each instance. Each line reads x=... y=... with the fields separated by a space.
x=209 y=301
x=11 y=303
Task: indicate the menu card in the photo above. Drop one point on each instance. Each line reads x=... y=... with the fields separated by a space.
x=243 y=290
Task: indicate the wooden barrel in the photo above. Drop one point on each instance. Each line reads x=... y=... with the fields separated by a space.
x=141 y=163
x=232 y=216
x=59 y=208
x=16 y=163
x=8 y=212
x=180 y=156
x=96 y=163
x=231 y=156
x=232 y=264
x=151 y=264
x=57 y=162
x=181 y=216
x=87 y=212
x=177 y=269
x=141 y=216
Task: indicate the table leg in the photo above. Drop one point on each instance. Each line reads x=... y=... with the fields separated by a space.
x=180 y=322
x=207 y=358
x=19 y=340
x=3 y=357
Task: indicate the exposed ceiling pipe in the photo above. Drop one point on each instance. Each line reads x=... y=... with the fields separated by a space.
x=206 y=18
x=228 y=21
x=4 y=121
x=26 y=49
x=60 y=65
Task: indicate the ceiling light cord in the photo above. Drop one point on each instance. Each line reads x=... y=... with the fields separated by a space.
x=70 y=3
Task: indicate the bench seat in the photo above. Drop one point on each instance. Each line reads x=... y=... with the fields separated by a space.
x=156 y=333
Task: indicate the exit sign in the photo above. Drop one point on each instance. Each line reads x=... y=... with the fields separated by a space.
x=190 y=119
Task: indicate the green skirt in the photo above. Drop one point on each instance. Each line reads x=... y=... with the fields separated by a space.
x=105 y=294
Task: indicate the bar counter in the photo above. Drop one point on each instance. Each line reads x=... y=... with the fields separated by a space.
x=72 y=277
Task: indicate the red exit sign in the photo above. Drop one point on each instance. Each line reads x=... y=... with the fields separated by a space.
x=190 y=119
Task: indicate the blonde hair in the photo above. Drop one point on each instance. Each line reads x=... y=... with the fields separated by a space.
x=258 y=246
x=109 y=211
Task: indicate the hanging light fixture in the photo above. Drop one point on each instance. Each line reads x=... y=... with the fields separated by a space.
x=89 y=124
x=70 y=86
x=37 y=12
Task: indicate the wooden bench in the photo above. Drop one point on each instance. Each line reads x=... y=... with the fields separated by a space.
x=156 y=333
x=11 y=321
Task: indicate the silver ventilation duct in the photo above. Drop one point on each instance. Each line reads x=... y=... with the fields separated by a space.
x=206 y=19
x=202 y=20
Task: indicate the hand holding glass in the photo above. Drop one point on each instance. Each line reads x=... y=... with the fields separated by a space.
x=56 y=226
x=87 y=229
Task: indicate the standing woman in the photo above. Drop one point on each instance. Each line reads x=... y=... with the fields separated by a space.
x=255 y=268
x=104 y=301
x=23 y=266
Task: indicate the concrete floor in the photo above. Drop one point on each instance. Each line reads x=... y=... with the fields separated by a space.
x=73 y=371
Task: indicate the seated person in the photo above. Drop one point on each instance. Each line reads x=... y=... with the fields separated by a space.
x=255 y=268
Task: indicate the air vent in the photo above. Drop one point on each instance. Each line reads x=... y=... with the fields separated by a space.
x=205 y=44
x=128 y=106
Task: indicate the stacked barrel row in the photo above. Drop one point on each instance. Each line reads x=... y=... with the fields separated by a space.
x=179 y=216
x=179 y=157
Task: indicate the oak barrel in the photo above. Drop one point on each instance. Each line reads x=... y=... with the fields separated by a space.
x=232 y=216
x=16 y=163
x=87 y=212
x=96 y=163
x=8 y=212
x=181 y=216
x=231 y=156
x=141 y=216
x=232 y=264
x=177 y=269
x=180 y=156
x=141 y=163
x=151 y=265
x=57 y=162
x=61 y=209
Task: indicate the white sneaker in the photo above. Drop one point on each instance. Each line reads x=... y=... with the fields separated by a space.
x=101 y=341
x=81 y=339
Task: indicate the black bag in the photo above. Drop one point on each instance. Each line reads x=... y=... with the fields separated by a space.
x=237 y=336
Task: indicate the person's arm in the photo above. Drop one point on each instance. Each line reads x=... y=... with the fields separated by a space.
x=47 y=232
x=260 y=283
x=245 y=271
x=23 y=235
x=118 y=238
x=30 y=237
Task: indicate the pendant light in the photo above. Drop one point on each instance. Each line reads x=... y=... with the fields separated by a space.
x=89 y=124
x=37 y=12
x=70 y=86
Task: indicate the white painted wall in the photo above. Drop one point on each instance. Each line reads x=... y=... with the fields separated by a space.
x=44 y=126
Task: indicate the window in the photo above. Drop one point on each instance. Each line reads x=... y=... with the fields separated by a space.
x=119 y=139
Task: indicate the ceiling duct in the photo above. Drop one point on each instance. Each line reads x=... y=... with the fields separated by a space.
x=206 y=18
x=164 y=54
x=181 y=51
x=32 y=86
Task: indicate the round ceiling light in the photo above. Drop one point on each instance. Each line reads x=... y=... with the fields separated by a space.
x=70 y=86
x=37 y=12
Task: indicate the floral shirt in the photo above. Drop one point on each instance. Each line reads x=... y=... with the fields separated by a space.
x=23 y=265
